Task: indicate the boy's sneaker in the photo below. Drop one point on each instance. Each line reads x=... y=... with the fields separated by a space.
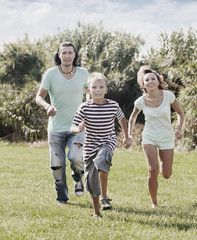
x=97 y=215
x=105 y=204
x=79 y=188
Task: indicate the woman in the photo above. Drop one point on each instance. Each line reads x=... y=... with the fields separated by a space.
x=158 y=133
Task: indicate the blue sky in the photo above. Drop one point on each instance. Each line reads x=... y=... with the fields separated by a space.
x=147 y=18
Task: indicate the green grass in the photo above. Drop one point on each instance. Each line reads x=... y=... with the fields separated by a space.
x=29 y=209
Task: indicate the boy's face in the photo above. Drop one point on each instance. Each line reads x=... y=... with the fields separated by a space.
x=98 y=89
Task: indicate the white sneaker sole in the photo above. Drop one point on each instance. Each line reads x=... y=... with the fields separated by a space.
x=79 y=194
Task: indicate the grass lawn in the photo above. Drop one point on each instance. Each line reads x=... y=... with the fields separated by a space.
x=29 y=209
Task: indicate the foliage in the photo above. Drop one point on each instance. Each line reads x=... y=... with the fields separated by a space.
x=21 y=62
x=29 y=209
x=19 y=114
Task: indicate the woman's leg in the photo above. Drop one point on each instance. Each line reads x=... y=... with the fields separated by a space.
x=153 y=168
x=166 y=157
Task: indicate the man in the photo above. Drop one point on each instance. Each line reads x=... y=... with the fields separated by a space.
x=65 y=84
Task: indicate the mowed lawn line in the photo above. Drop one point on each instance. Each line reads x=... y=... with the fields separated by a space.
x=29 y=210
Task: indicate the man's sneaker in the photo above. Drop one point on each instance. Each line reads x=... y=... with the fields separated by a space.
x=105 y=204
x=60 y=202
x=79 y=189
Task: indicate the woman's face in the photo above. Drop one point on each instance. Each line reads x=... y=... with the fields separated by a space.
x=151 y=82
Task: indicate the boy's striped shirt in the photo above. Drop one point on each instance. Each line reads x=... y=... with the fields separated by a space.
x=99 y=125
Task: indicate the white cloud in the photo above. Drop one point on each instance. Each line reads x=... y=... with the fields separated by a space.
x=45 y=17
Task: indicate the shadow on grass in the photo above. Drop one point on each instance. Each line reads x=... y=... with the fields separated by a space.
x=180 y=219
x=81 y=205
x=176 y=217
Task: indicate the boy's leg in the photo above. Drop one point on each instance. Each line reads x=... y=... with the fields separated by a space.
x=96 y=205
x=105 y=201
x=103 y=164
x=103 y=176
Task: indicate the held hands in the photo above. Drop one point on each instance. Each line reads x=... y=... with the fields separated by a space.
x=51 y=111
x=127 y=142
x=178 y=134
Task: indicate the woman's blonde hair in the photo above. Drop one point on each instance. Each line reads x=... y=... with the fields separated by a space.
x=96 y=76
x=143 y=71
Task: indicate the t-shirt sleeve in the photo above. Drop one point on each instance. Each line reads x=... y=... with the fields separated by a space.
x=120 y=114
x=171 y=97
x=139 y=103
x=79 y=116
x=46 y=81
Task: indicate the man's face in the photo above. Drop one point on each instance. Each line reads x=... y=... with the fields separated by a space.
x=67 y=55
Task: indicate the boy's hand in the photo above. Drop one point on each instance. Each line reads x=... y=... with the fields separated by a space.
x=127 y=142
x=178 y=134
x=81 y=126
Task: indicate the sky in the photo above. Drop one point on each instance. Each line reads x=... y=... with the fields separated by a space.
x=145 y=17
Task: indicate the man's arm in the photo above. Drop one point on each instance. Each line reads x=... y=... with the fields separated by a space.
x=40 y=100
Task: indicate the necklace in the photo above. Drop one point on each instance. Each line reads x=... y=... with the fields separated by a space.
x=71 y=72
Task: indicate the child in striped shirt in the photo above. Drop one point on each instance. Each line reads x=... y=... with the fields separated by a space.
x=97 y=115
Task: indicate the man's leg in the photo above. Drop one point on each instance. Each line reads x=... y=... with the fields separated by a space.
x=57 y=145
x=75 y=155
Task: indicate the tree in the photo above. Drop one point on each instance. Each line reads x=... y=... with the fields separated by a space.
x=21 y=62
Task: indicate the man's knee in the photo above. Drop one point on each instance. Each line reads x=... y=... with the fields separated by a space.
x=55 y=168
x=57 y=172
x=75 y=155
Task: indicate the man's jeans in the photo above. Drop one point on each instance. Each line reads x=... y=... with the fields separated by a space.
x=57 y=145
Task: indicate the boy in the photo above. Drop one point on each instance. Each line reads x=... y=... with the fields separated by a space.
x=97 y=116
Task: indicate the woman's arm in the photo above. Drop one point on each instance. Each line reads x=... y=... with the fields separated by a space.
x=132 y=120
x=175 y=105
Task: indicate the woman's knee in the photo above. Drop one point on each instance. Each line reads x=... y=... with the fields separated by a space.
x=153 y=172
x=167 y=174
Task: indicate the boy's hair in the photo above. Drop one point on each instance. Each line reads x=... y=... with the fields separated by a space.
x=143 y=71
x=96 y=76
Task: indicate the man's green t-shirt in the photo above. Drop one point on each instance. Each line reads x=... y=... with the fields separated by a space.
x=65 y=95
